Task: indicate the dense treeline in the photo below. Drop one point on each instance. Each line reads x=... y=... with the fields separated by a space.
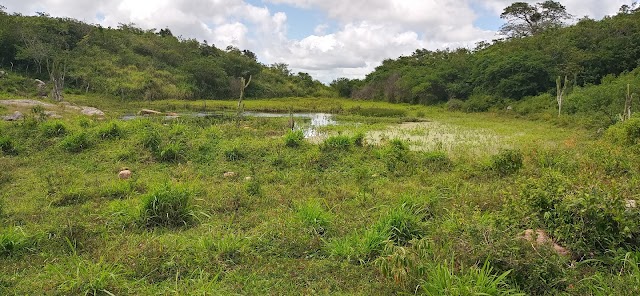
x=511 y=69
x=133 y=63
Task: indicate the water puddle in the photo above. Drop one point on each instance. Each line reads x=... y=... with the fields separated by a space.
x=310 y=129
x=310 y=123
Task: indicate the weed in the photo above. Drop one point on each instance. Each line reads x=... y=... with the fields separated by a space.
x=109 y=131
x=506 y=162
x=52 y=129
x=294 y=139
x=313 y=215
x=233 y=154
x=90 y=278
x=13 y=241
x=402 y=223
x=151 y=139
x=336 y=143
x=172 y=152
x=7 y=146
x=71 y=196
x=76 y=142
x=167 y=206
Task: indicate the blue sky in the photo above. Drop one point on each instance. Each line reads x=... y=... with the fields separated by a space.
x=325 y=38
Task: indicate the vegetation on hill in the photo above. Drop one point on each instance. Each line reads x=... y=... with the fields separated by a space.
x=134 y=64
x=518 y=69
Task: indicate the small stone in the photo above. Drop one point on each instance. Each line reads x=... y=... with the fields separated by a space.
x=230 y=174
x=15 y=116
x=124 y=174
x=509 y=108
x=630 y=204
x=248 y=178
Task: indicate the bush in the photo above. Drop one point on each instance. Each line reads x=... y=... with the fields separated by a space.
x=7 y=146
x=167 y=206
x=172 y=152
x=401 y=224
x=625 y=133
x=507 y=162
x=294 y=139
x=481 y=103
x=378 y=112
x=336 y=143
x=151 y=139
x=76 y=142
x=52 y=129
x=455 y=105
x=110 y=131
x=396 y=157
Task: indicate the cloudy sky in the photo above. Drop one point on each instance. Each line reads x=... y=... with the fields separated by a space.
x=326 y=38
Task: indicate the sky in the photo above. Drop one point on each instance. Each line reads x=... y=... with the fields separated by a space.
x=325 y=38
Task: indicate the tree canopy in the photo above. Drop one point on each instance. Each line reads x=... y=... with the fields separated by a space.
x=524 y=19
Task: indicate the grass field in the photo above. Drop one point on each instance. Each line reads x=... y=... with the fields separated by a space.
x=379 y=206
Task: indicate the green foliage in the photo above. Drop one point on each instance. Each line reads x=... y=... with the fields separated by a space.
x=52 y=129
x=234 y=154
x=625 y=133
x=76 y=142
x=436 y=161
x=378 y=112
x=167 y=206
x=171 y=152
x=396 y=157
x=111 y=130
x=13 y=242
x=7 y=146
x=442 y=279
x=481 y=103
x=507 y=162
x=455 y=105
x=402 y=224
x=91 y=278
x=313 y=215
x=294 y=139
x=337 y=143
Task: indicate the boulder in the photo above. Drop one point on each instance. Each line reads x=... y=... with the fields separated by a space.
x=13 y=117
x=230 y=175
x=540 y=237
x=124 y=174
x=149 y=112
x=2 y=74
x=41 y=87
x=91 y=111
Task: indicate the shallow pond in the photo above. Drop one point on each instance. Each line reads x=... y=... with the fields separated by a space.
x=309 y=127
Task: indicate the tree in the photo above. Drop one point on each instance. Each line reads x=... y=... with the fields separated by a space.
x=524 y=19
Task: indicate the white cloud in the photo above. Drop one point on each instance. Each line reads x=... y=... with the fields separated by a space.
x=367 y=31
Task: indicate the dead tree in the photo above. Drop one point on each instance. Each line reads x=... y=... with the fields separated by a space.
x=243 y=85
x=627 y=104
x=561 y=89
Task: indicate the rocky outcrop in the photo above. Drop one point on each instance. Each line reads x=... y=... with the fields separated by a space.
x=13 y=117
x=91 y=111
x=26 y=103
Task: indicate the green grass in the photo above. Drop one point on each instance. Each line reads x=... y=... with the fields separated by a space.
x=345 y=215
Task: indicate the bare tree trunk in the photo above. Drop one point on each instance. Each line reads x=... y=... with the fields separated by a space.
x=243 y=86
x=627 y=104
x=560 y=92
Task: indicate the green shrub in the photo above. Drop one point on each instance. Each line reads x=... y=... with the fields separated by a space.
x=253 y=188
x=7 y=146
x=151 y=139
x=358 y=139
x=481 y=103
x=507 y=162
x=71 y=196
x=89 y=278
x=52 y=129
x=110 y=131
x=357 y=247
x=396 y=157
x=76 y=142
x=172 y=152
x=451 y=280
x=294 y=139
x=336 y=143
x=167 y=206
x=455 y=105
x=402 y=224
